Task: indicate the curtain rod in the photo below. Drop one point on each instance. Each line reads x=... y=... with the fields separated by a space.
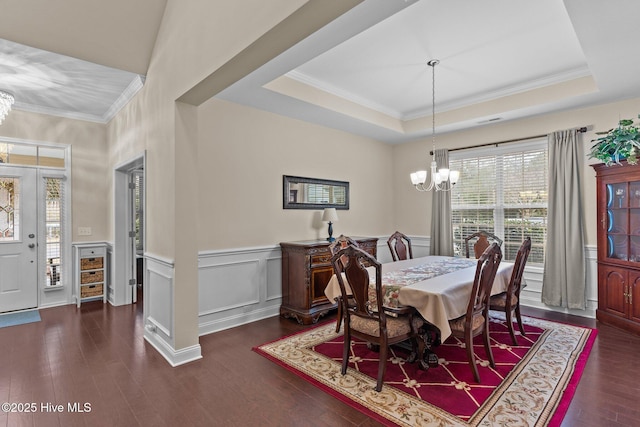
x=581 y=130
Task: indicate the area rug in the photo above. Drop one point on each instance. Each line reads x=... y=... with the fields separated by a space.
x=19 y=318
x=531 y=385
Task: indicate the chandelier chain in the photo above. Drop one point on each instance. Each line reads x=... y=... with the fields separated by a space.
x=433 y=102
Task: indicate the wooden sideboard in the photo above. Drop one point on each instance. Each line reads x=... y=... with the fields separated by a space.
x=306 y=270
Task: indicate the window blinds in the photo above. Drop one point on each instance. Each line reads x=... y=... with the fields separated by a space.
x=502 y=190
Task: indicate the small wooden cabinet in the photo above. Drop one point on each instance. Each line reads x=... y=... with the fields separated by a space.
x=90 y=272
x=618 y=201
x=306 y=270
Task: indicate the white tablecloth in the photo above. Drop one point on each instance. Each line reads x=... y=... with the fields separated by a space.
x=440 y=298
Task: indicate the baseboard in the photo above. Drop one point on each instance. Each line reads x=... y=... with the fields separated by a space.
x=229 y=322
x=174 y=357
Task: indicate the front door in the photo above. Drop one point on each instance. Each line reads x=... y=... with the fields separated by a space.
x=18 y=240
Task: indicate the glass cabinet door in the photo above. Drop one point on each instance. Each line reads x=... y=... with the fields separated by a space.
x=623 y=221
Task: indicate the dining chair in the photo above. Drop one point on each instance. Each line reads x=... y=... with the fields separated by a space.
x=368 y=320
x=481 y=241
x=400 y=246
x=476 y=319
x=509 y=301
x=341 y=242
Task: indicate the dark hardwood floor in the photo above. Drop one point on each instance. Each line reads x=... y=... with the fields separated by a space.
x=96 y=355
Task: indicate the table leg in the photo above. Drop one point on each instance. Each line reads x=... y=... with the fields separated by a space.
x=431 y=338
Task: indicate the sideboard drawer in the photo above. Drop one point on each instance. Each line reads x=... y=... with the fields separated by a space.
x=322 y=259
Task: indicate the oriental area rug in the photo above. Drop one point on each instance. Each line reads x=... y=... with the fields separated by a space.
x=531 y=385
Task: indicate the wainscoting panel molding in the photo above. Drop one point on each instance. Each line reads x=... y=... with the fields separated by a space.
x=224 y=287
x=158 y=307
x=238 y=286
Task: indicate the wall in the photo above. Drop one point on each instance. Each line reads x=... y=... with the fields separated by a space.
x=243 y=154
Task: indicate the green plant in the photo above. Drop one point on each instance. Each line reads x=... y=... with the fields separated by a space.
x=617 y=144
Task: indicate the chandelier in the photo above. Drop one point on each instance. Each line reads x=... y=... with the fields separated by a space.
x=6 y=101
x=443 y=179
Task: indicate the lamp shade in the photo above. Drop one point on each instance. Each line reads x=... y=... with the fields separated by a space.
x=330 y=215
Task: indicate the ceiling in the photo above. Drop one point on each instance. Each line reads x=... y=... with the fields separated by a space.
x=364 y=73
x=82 y=59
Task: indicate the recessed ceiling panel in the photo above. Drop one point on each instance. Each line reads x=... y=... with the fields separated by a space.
x=487 y=49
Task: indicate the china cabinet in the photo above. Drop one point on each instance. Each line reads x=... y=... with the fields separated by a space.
x=618 y=201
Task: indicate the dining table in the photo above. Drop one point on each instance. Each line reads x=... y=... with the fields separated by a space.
x=439 y=287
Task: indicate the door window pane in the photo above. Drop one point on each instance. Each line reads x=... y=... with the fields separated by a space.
x=53 y=223
x=9 y=209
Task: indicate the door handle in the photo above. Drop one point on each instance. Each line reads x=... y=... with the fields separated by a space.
x=32 y=245
x=31 y=236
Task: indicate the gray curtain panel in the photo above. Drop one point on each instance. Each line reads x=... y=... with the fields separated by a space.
x=564 y=278
x=441 y=227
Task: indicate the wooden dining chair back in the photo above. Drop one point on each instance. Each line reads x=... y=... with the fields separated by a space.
x=341 y=242
x=509 y=301
x=400 y=246
x=476 y=320
x=480 y=241
x=367 y=319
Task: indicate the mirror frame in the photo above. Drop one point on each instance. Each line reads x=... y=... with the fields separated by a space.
x=286 y=204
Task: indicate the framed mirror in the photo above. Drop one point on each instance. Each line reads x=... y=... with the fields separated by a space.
x=312 y=193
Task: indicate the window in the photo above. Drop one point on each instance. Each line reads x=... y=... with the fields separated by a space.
x=502 y=190
x=32 y=155
x=53 y=223
x=138 y=209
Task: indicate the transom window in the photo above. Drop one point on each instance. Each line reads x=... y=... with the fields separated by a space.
x=502 y=190
x=31 y=155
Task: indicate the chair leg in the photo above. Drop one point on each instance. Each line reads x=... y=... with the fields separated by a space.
x=487 y=346
x=512 y=331
x=468 y=342
x=382 y=365
x=339 y=320
x=346 y=350
x=519 y=317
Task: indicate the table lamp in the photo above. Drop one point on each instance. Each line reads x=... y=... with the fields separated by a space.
x=330 y=215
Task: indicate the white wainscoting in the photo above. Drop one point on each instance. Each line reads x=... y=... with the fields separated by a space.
x=159 y=310
x=239 y=286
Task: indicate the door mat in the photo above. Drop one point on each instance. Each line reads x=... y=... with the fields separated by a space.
x=19 y=318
